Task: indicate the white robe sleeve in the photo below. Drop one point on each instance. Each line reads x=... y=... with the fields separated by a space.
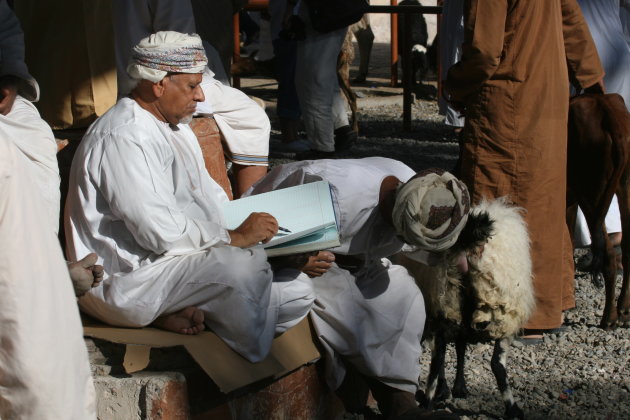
x=137 y=182
x=243 y=123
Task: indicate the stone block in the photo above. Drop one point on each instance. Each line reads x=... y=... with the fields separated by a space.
x=209 y=138
x=143 y=395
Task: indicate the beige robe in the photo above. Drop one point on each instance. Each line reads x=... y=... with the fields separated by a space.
x=514 y=81
x=70 y=52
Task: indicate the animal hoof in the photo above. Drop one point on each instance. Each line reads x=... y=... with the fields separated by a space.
x=442 y=393
x=460 y=392
x=608 y=323
x=514 y=412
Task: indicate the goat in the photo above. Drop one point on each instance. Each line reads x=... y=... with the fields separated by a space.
x=598 y=166
x=344 y=60
x=419 y=41
x=491 y=302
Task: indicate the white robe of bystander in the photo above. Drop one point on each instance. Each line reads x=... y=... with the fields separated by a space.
x=44 y=369
x=34 y=138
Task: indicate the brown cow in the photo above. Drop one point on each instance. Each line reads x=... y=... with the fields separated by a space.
x=598 y=167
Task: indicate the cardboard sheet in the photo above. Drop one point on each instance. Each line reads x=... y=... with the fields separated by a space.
x=227 y=369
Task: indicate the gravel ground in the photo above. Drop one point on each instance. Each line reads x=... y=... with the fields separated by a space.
x=583 y=373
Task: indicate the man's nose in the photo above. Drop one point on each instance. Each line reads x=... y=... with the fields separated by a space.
x=199 y=96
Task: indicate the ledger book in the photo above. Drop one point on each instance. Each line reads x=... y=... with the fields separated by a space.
x=304 y=210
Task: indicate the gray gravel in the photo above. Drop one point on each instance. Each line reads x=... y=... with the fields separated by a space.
x=583 y=373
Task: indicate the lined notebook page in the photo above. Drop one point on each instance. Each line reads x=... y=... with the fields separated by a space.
x=302 y=209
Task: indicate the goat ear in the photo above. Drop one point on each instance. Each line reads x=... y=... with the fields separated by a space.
x=478 y=229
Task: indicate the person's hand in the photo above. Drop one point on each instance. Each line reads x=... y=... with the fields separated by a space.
x=319 y=264
x=258 y=227
x=85 y=274
x=456 y=105
x=459 y=107
x=8 y=93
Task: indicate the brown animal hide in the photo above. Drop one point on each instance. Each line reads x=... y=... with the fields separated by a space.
x=598 y=157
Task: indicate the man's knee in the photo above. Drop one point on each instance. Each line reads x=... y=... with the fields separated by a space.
x=295 y=294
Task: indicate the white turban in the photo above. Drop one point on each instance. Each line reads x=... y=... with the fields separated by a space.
x=431 y=209
x=164 y=52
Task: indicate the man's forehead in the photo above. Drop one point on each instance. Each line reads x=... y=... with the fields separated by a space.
x=187 y=77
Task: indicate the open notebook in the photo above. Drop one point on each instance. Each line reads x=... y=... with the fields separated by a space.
x=306 y=210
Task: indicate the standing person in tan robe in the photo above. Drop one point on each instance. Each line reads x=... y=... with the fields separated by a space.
x=513 y=85
x=70 y=52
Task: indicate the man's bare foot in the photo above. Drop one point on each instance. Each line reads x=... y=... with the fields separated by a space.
x=187 y=321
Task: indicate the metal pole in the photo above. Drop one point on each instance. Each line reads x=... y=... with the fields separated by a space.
x=407 y=76
x=393 y=46
x=236 y=55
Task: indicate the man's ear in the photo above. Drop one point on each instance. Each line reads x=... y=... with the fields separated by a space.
x=159 y=87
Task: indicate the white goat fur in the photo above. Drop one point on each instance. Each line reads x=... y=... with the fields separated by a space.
x=501 y=278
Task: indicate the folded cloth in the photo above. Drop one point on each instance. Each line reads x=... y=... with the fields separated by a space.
x=431 y=209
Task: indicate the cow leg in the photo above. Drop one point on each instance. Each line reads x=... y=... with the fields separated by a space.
x=609 y=271
x=498 y=365
x=459 y=387
x=436 y=380
x=623 y=197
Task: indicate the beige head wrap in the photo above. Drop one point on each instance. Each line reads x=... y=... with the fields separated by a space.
x=431 y=210
x=164 y=52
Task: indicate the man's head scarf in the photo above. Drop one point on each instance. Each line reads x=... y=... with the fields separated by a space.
x=431 y=210
x=167 y=52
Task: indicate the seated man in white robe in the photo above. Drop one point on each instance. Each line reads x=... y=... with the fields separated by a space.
x=369 y=314
x=141 y=198
x=243 y=123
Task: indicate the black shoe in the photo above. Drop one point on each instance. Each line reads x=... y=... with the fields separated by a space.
x=314 y=154
x=345 y=137
x=361 y=77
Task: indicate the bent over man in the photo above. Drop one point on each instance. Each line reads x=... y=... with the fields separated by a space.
x=369 y=314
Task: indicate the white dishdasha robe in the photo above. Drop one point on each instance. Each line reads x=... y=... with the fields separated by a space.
x=23 y=125
x=140 y=197
x=44 y=369
x=374 y=317
x=35 y=139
